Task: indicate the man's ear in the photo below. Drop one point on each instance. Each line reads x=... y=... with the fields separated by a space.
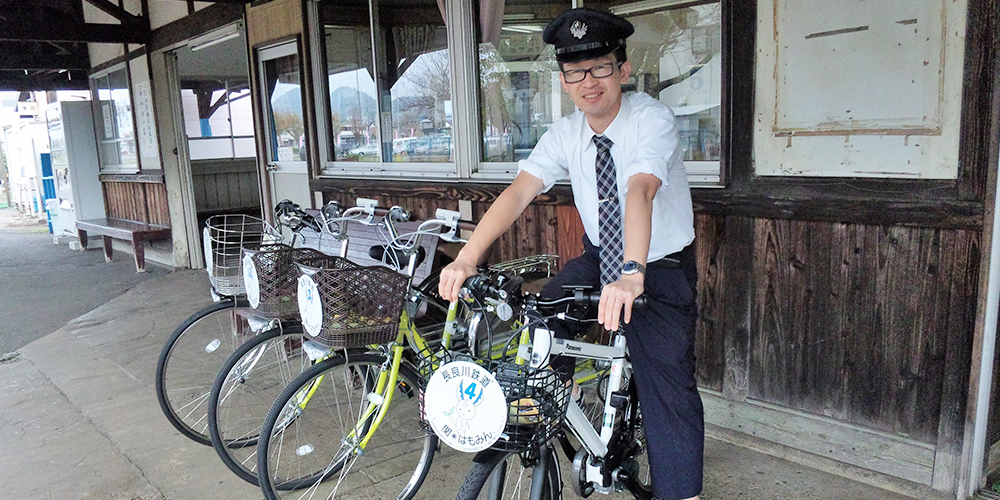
x=562 y=81
x=626 y=72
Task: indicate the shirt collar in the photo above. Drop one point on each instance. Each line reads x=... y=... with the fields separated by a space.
x=615 y=131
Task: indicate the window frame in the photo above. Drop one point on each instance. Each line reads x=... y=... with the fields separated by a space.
x=336 y=168
x=230 y=136
x=467 y=165
x=100 y=126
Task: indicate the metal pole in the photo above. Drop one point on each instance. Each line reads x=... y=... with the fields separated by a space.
x=989 y=348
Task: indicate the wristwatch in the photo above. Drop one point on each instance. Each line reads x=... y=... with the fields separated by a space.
x=633 y=267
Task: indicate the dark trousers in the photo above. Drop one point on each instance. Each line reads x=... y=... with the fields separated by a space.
x=660 y=341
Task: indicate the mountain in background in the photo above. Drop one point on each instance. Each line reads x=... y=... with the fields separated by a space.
x=344 y=99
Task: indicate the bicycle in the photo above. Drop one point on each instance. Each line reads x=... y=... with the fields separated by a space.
x=343 y=400
x=192 y=355
x=523 y=463
x=253 y=376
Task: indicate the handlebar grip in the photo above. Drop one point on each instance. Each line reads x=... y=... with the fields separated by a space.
x=594 y=298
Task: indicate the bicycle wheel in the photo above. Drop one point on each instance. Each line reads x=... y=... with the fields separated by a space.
x=313 y=429
x=502 y=475
x=247 y=385
x=191 y=359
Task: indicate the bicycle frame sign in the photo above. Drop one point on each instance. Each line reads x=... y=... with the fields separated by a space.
x=310 y=306
x=465 y=406
x=250 y=281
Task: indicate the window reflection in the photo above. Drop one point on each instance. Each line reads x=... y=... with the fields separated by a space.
x=392 y=103
x=519 y=87
x=281 y=76
x=675 y=55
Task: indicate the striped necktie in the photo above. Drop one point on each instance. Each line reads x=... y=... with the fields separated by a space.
x=609 y=213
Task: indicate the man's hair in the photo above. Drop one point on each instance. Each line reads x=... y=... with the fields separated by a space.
x=620 y=54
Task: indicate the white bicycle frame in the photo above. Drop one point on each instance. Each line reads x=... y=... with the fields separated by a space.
x=595 y=444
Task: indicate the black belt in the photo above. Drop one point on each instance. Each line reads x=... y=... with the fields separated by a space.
x=672 y=261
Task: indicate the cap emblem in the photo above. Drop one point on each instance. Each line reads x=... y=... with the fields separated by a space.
x=578 y=29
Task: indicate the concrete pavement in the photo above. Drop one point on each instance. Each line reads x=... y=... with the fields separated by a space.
x=79 y=420
x=36 y=274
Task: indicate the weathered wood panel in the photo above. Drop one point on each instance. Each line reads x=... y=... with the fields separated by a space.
x=273 y=21
x=826 y=437
x=137 y=201
x=225 y=185
x=722 y=337
x=156 y=204
x=569 y=239
x=855 y=322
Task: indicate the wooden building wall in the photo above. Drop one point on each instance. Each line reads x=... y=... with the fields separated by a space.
x=866 y=324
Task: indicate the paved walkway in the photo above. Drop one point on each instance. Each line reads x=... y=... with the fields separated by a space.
x=80 y=420
x=36 y=274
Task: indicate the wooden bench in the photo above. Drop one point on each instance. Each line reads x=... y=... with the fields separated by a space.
x=136 y=232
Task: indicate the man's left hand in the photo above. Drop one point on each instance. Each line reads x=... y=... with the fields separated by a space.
x=618 y=296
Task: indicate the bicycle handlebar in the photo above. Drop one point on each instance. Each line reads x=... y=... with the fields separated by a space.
x=500 y=288
x=288 y=213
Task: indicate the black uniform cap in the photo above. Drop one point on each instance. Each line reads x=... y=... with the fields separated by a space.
x=581 y=34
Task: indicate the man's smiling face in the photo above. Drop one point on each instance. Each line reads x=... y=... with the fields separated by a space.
x=598 y=98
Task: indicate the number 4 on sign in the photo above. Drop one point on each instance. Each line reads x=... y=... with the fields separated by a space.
x=470 y=391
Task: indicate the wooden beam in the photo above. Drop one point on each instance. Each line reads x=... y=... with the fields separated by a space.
x=85 y=32
x=202 y=21
x=21 y=60
x=117 y=12
x=55 y=81
x=878 y=451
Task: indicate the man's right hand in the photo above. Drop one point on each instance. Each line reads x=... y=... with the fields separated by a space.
x=452 y=278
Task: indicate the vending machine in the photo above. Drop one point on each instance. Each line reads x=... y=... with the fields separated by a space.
x=73 y=149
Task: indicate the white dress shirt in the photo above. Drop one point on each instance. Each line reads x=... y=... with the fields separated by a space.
x=645 y=141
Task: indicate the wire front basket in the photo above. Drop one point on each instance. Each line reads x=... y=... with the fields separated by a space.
x=536 y=399
x=225 y=237
x=276 y=293
x=536 y=404
x=361 y=305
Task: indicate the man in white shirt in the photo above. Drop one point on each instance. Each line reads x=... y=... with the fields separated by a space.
x=639 y=222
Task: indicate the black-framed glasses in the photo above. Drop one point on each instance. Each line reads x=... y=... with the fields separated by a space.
x=600 y=71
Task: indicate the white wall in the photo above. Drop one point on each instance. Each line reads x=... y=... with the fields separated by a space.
x=856 y=88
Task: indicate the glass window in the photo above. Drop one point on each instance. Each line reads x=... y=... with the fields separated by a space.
x=393 y=103
x=284 y=91
x=675 y=54
x=519 y=89
x=218 y=118
x=113 y=115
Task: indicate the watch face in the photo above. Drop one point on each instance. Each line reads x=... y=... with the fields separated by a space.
x=632 y=267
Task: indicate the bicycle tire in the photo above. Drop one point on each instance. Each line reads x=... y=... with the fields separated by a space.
x=247 y=385
x=502 y=475
x=190 y=360
x=338 y=389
